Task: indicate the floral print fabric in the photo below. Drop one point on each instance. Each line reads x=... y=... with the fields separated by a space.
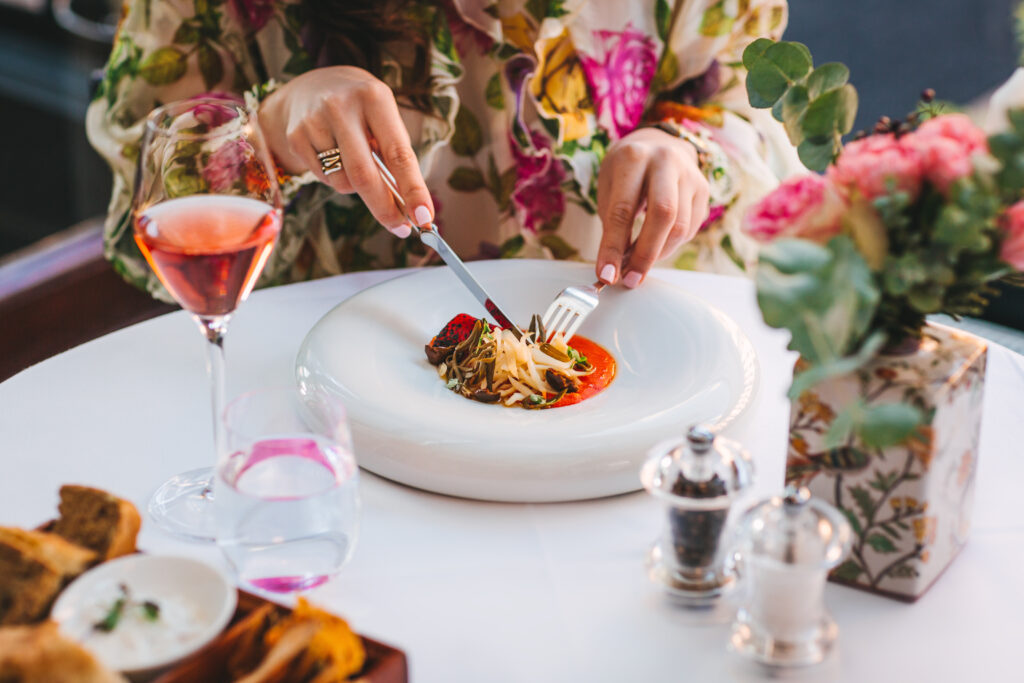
x=525 y=98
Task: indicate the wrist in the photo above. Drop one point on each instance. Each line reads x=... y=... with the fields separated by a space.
x=697 y=147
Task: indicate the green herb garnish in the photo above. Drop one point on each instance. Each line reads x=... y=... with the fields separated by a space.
x=114 y=614
x=150 y=610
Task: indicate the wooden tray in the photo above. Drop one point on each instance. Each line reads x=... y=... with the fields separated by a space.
x=384 y=664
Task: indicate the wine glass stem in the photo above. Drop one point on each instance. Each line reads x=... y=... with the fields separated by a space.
x=214 y=328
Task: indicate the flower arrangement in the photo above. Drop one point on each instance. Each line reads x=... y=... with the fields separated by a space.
x=918 y=217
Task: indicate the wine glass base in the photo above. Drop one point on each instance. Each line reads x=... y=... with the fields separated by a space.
x=183 y=506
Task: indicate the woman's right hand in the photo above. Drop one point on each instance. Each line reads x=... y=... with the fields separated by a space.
x=347 y=107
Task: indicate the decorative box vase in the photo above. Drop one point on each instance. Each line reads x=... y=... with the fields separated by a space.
x=909 y=504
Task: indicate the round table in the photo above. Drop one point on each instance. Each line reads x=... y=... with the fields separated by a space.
x=493 y=592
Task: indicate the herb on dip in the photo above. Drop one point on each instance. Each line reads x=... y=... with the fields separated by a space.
x=150 y=610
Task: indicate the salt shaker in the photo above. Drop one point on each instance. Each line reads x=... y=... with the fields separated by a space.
x=786 y=546
x=698 y=479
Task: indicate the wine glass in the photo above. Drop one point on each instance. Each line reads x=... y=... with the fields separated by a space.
x=287 y=505
x=207 y=213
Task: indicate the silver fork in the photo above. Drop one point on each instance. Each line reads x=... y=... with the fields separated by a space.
x=570 y=308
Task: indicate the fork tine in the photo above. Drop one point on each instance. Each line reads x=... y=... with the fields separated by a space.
x=560 y=322
x=550 y=313
x=575 y=325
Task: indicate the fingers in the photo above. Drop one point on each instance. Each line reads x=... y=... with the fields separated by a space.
x=308 y=139
x=350 y=130
x=392 y=138
x=664 y=212
x=684 y=231
x=620 y=184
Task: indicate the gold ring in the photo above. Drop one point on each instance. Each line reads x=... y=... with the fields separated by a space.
x=330 y=160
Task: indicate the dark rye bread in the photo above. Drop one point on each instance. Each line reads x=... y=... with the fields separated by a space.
x=94 y=519
x=34 y=566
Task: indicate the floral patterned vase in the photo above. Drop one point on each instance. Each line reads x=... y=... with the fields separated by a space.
x=910 y=504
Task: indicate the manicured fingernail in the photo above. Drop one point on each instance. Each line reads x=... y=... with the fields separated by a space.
x=608 y=273
x=632 y=279
x=402 y=231
x=422 y=215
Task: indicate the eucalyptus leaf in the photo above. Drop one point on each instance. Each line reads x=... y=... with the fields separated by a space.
x=775 y=69
x=842 y=366
x=888 y=424
x=794 y=107
x=825 y=296
x=827 y=77
x=816 y=156
x=755 y=50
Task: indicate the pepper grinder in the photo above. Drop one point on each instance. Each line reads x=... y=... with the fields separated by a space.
x=786 y=546
x=697 y=478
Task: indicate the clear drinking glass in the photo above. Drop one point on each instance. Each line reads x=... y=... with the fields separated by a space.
x=206 y=214
x=287 y=504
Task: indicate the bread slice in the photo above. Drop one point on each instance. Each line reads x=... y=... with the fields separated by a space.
x=34 y=566
x=41 y=654
x=97 y=520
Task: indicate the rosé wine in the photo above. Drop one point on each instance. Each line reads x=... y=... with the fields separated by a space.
x=208 y=250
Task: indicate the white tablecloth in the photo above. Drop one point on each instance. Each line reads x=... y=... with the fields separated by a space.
x=499 y=592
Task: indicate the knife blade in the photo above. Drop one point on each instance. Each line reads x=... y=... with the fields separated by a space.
x=430 y=237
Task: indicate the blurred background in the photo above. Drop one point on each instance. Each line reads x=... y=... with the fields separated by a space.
x=51 y=51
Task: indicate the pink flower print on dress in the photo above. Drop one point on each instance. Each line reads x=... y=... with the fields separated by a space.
x=254 y=13
x=620 y=77
x=224 y=168
x=537 y=197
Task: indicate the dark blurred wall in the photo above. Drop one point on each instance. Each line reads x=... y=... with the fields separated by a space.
x=897 y=48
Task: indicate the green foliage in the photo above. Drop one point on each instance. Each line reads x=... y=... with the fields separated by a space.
x=467 y=138
x=465 y=179
x=848 y=571
x=876 y=426
x=817 y=105
x=163 y=66
x=825 y=296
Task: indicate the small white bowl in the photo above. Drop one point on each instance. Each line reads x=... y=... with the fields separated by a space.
x=187 y=591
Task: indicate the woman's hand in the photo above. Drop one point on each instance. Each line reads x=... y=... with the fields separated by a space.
x=652 y=170
x=346 y=107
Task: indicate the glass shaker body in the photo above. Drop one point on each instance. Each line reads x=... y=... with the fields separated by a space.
x=697 y=479
x=786 y=546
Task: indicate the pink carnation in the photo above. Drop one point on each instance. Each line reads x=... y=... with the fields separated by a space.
x=956 y=127
x=808 y=207
x=1012 y=250
x=945 y=145
x=871 y=165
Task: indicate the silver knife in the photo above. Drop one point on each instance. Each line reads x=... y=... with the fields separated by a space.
x=432 y=238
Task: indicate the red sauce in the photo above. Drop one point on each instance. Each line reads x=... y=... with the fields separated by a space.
x=598 y=380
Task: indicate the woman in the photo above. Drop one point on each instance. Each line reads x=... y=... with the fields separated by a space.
x=517 y=125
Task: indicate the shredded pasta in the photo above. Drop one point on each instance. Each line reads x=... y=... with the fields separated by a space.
x=492 y=365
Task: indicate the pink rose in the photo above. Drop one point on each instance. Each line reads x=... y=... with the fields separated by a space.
x=945 y=145
x=956 y=127
x=255 y=13
x=537 y=197
x=807 y=207
x=620 y=77
x=869 y=166
x=1012 y=250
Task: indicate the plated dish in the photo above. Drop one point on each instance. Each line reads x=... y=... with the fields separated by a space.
x=679 y=362
x=486 y=363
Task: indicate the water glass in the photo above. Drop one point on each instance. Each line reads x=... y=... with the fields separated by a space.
x=287 y=503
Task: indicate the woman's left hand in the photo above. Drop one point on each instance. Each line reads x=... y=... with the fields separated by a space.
x=652 y=170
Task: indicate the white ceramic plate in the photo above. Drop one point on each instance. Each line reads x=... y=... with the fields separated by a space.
x=680 y=362
x=192 y=596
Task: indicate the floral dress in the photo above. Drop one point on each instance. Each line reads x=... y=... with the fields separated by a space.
x=525 y=96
